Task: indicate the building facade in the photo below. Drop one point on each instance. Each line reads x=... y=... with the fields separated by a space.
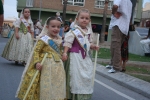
x=50 y=7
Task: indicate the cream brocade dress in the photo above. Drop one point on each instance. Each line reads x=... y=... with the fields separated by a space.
x=79 y=71
x=50 y=84
x=19 y=50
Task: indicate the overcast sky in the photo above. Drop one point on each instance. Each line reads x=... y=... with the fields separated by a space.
x=145 y=2
x=10 y=8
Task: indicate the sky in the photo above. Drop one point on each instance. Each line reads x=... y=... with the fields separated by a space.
x=10 y=8
x=144 y=1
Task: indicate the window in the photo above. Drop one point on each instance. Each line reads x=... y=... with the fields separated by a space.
x=29 y=3
x=75 y=2
x=101 y=3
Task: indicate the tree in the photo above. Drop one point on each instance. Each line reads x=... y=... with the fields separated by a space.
x=102 y=36
x=64 y=10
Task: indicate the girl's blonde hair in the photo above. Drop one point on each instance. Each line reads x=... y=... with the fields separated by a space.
x=83 y=10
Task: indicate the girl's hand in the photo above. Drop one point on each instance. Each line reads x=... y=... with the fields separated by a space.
x=96 y=48
x=38 y=66
x=93 y=47
x=64 y=57
x=17 y=36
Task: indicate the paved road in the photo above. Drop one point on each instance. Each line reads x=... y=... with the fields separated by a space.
x=104 y=89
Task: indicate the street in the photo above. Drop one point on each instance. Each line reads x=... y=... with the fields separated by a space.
x=104 y=89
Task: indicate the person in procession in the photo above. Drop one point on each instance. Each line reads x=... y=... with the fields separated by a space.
x=20 y=44
x=5 y=31
x=39 y=27
x=78 y=64
x=50 y=81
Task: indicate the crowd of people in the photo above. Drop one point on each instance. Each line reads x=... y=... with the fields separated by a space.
x=59 y=70
x=7 y=30
x=67 y=70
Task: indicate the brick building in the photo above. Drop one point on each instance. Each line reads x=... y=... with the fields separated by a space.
x=50 y=7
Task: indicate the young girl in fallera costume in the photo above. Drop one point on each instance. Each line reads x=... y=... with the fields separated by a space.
x=20 y=44
x=50 y=82
x=79 y=67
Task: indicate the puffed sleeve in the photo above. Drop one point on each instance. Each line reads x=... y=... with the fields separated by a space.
x=17 y=23
x=38 y=48
x=69 y=38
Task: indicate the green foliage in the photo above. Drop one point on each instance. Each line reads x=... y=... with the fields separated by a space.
x=104 y=53
x=145 y=78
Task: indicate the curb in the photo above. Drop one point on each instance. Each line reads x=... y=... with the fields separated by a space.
x=130 y=82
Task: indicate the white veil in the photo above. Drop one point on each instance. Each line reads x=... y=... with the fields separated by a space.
x=44 y=30
x=22 y=16
x=89 y=27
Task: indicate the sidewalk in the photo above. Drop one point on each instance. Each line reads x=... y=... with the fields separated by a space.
x=132 y=83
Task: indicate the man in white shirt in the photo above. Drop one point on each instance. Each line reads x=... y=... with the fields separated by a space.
x=120 y=19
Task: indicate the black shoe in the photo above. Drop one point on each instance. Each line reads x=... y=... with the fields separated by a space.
x=24 y=63
x=147 y=54
x=16 y=62
x=123 y=70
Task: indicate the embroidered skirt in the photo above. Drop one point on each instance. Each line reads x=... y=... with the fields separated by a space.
x=18 y=50
x=83 y=95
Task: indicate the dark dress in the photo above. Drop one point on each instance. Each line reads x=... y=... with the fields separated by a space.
x=124 y=49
